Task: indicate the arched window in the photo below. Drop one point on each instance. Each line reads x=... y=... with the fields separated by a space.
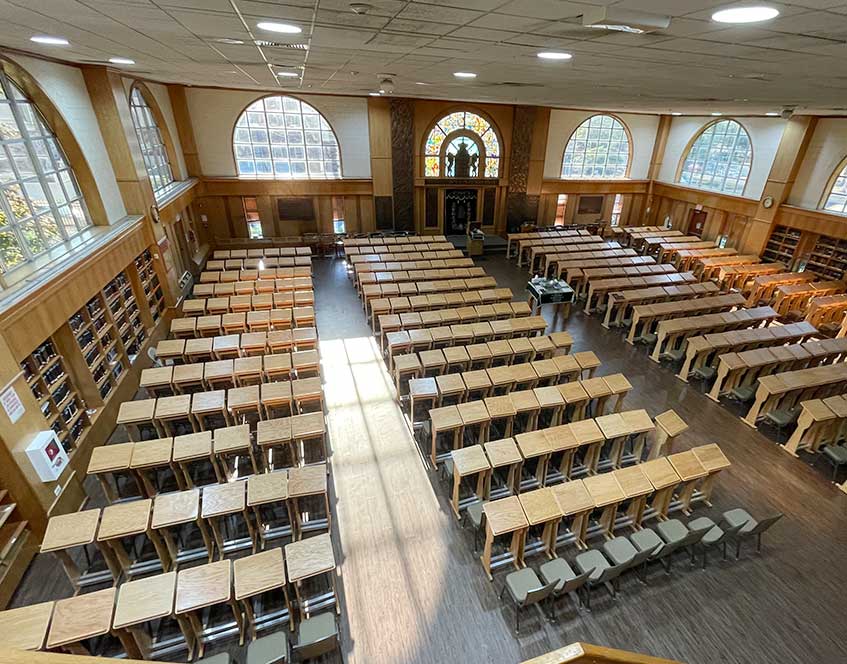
x=719 y=159
x=599 y=148
x=152 y=146
x=284 y=138
x=41 y=205
x=462 y=144
x=836 y=199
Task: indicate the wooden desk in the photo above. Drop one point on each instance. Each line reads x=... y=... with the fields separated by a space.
x=664 y=479
x=170 y=410
x=69 y=531
x=541 y=509
x=150 y=457
x=690 y=470
x=25 y=628
x=266 y=493
x=139 y=603
x=208 y=404
x=229 y=442
x=305 y=482
x=307 y=559
x=256 y=575
x=191 y=448
x=466 y=462
x=307 y=393
x=134 y=413
x=500 y=408
x=669 y=425
x=169 y=350
x=504 y=454
x=606 y=494
x=156 y=380
x=105 y=462
x=534 y=445
x=176 y=509
x=80 y=618
x=422 y=390
x=198 y=588
x=712 y=458
x=587 y=434
x=224 y=500
x=126 y=520
x=504 y=517
x=636 y=487
x=576 y=504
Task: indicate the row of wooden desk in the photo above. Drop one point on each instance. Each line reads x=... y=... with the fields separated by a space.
x=128 y=612
x=164 y=414
x=217 y=324
x=377 y=303
x=791 y=297
x=821 y=422
x=619 y=303
x=222 y=374
x=684 y=258
x=583 y=278
x=300 y=267
x=470 y=309
x=249 y=344
x=646 y=316
x=533 y=520
x=736 y=370
x=254 y=286
x=574 y=270
x=599 y=289
x=597 y=249
x=270 y=262
x=764 y=287
x=539 y=251
x=199 y=306
x=557 y=264
x=399 y=276
x=827 y=312
x=263 y=252
x=706 y=269
x=742 y=277
x=547 y=233
x=369 y=262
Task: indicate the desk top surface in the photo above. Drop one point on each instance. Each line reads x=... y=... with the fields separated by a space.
x=277 y=430
x=220 y=499
x=540 y=506
x=267 y=488
x=687 y=466
x=81 y=617
x=110 y=458
x=604 y=489
x=503 y=452
x=230 y=439
x=140 y=410
x=633 y=481
x=192 y=446
x=202 y=586
x=259 y=573
x=176 y=406
x=145 y=599
x=505 y=515
x=470 y=460
x=70 y=530
x=309 y=557
x=586 y=432
x=307 y=480
x=25 y=628
x=711 y=457
x=123 y=519
x=573 y=497
x=660 y=472
x=172 y=508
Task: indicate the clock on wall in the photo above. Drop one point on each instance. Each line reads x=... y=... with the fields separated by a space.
x=767 y=202
x=154 y=213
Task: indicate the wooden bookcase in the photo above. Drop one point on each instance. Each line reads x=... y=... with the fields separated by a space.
x=125 y=314
x=58 y=397
x=97 y=338
x=17 y=547
x=150 y=284
x=781 y=245
x=828 y=259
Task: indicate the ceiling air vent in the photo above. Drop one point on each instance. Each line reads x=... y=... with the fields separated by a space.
x=271 y=44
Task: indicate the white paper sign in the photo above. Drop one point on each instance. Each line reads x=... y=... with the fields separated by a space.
x=12 y=404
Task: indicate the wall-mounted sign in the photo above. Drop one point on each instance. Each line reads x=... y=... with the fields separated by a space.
x=12 y=404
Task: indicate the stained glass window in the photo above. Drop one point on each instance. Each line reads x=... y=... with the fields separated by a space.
x=41 y=204
x=284 y=138
x=719 y=159
x=152 y=146
x=599 y=148
x=467 y=121
x=836 y=201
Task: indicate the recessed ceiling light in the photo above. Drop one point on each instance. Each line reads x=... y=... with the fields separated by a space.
x=288 y=74
x=676 y=113
x=716 y=113
x=230 y=41
x=121 y=61
x=285 y=28
x=374 y=94
x=555 y=55
x=464 y=74
x=51 y=41
x=422 y=83
x=745 y=14
x=772 y=114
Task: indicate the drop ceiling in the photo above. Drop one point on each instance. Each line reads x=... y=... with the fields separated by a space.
x=695 y=66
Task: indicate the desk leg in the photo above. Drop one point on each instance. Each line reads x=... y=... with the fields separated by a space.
x=517 y=547
x=197 y=628
x=636 y=511
x=685 y=494
x=551 y=528
x=132 y=641
x=566 y=466
x=71 y=568
x=161 y=550
x=607 y=520
x=661 y=502
x=110 y=491
x=457 y=483
x=486 y=551
x=218 y=536
x=707 y=486
x=592 y=457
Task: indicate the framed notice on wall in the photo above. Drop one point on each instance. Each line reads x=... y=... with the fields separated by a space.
x=295 y=209
x=590 y=205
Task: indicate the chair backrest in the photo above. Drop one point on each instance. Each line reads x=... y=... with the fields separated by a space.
x=151 y=353
x=577 y=582
x=613 y=572
x=764 y=524
x=641 y=557
x=317 y=648
x=694 y=536
x=539 y=594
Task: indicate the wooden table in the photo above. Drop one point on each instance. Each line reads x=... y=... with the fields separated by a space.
x=127 y=520
x=148 y=458
x=305 y=482
x=690 y=470
x=230 y=442
x=607 y=494
x=198 y=588
x=712 y=458
x=172 y=409
x=446 y=418
x=587 y=434
x=265 y=492
x=208 y=404
x=308 y=559
x=308 y=433
x=157 y=380
x=541 y=509
x=576 y=504
x=190 y=449
x=636 y=487
x=80 y=618
x=669 y=425
x=534 y=445
x=422 y=390
x=255 y=576
x=108 y=460
x=139 y=603
x=25 y=628
x=504 y=517
x=469 y=461
x=225 y=500
x=176 y=509
x=69 y=531
x=132 y=414
x=664 y=479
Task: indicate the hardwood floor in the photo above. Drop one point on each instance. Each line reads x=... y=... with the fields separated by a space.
x=413 y=591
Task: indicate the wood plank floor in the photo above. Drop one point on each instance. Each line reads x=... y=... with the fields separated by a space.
x=413 y=591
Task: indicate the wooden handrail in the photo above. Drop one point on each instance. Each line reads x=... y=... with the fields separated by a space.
x=26 y=657
x=585 y=653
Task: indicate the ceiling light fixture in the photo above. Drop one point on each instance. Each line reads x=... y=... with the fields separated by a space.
x=288 y=74
x=121 y=61
x=229 y=41
x=772 y=114
x=621 y=19
x=284 y=28
x=374 y=94
x=676 y=113
x=360 y=7
x=717 y=114
x=554 y=55
x=464 y=74
x=422 y=83
x=50 y=41
x=745 y=14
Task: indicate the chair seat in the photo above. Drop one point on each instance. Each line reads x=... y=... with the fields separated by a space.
x=592 y=559
x=744 y=394
x=557 y=570
x=474 y=512
x=626 y=322
x=646 y=540
x=672 y=531
x=781 y=417
x=316 y=628
x=448 y=468
x=705 y=373
x=676 y=355
x=220 y=658
x=522 y=582
x=647 y=339
x=837 y=453
x=712 y=535
x=619 y=550
x=270 y=649
x=739 y=517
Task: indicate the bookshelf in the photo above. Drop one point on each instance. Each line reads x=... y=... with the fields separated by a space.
x=125 y=315
x=150 y=283
x=97 y=338
x=57 y=396
x=17 y=546
x=828 y=259
x=781 y=245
